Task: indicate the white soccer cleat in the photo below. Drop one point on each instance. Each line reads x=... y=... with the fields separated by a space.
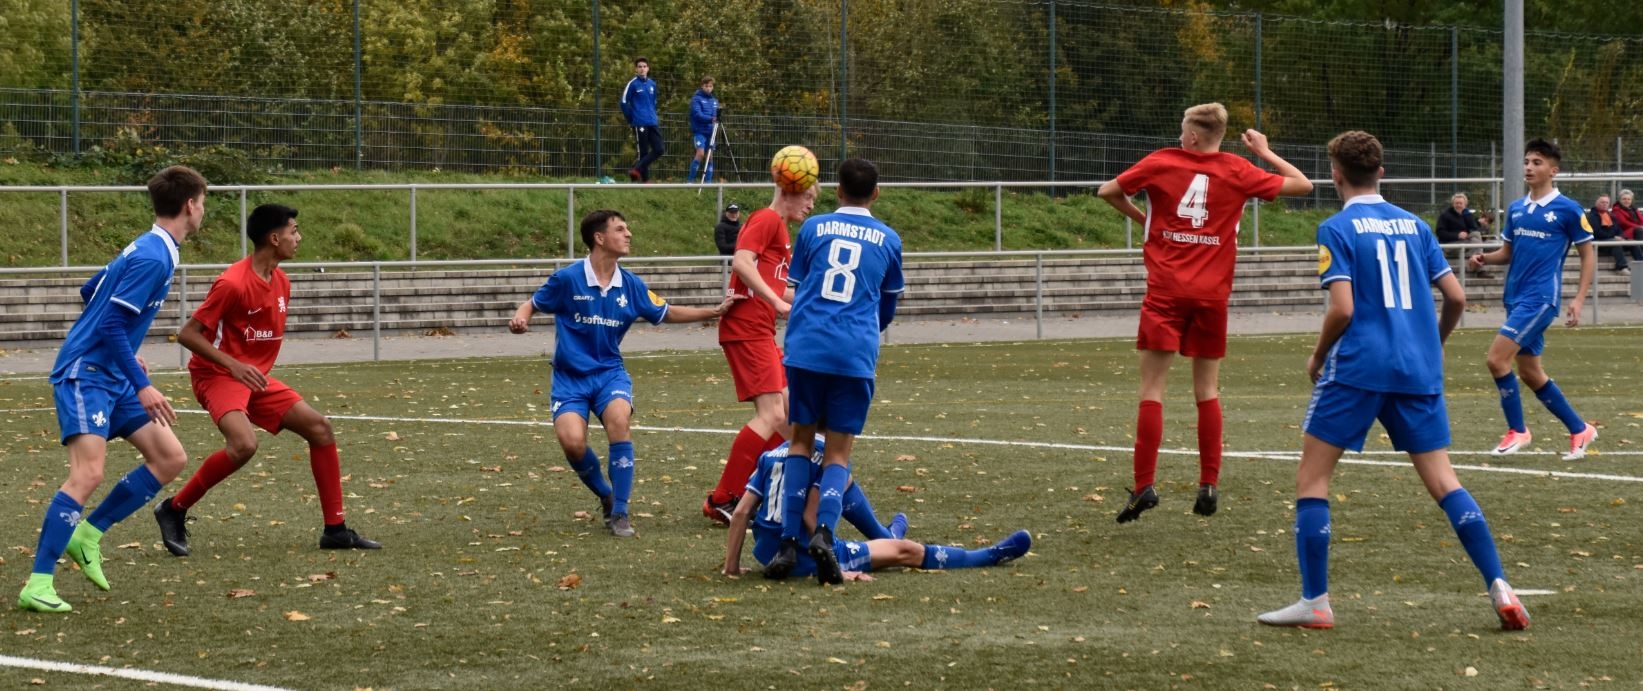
x=1513 y=442
x=1307 y=614
x=1513 y=617
x=1579 y=441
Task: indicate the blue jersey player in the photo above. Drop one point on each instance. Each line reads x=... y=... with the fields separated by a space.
x=1537 y=233
x=761 y=507
x=1380 y=356
x=846 y=273
x=593 y=302
x=102 y=391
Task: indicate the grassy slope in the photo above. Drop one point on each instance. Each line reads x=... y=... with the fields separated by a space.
x=360 y=226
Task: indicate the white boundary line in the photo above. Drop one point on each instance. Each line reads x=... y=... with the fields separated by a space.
x=1264 y=455
x=136 y=674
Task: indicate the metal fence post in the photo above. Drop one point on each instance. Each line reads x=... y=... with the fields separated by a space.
x=1256 y=216
x=1460 y=253
x=62 y=213
x=1038 y=293
x=1432 y=172
x=570 y=222
x=243 y=224
x=998 y=218
x=413 y=223
x=376 y=312
x=1129 y=233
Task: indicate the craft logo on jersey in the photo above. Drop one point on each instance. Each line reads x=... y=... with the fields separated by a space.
x=580 y=298
x=621 y=300
x=99 y=419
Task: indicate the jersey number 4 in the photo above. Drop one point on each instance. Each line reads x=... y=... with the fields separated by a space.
x=843 y=258
x=1400 y=257
x=1194 y=204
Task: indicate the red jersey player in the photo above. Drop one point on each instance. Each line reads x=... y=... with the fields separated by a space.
x=235 y=336
x=748 y=335
x=1195 y=198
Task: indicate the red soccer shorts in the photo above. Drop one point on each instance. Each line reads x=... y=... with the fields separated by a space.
x=221 y=395
x=1194 y=328
x=756 y=366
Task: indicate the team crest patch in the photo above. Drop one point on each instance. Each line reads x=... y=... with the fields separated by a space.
x=655 y=299
x=1325 y=259
x=621 y=301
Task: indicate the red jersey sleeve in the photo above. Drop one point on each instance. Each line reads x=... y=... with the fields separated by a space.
x=1137 y=177
x=1258 y=183
x=756 y=233
x=219 y=299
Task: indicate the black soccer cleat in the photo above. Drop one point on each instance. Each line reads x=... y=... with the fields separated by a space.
x=782 y=564
x=1140 y=500
x=827 y=563
x=1207 y=498
x=173 y=527
x=346 y=539
x=606 y=505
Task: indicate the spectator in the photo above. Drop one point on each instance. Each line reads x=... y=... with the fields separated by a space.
x=729 y=228
x=1606 y=225
x=704 y=116
x=1458 y=223
x=1627 y=217
x=639 y=107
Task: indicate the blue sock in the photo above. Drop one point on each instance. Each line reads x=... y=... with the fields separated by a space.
x=948 y=557
x=795 y=489
x=592 y=477
x=1473 y=530
x=858 y=512
x=1312 y=545
x=131 y=493
x=694 y=165
x=1552 y=397
x=707 y=176
x=621 y=475
x=833 y=480
x=1511 y=402
x=62 y=514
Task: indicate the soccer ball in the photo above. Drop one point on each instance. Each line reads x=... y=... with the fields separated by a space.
x=794 y=169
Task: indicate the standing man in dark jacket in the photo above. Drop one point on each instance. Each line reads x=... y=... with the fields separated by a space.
x=729 y=228
x=639 y=107
x=704 y=116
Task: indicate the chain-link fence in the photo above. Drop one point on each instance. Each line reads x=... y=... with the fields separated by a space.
x=933 y=90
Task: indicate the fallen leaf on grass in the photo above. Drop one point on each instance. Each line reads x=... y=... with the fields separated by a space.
x=321 y=577
x=294 y=615
x=884 y=596
x=1200 y=604
x=25 y=632
x=556 y=469
x=837 y=661
x=579 y=515
x=1470 y=671
x=391 y=436
x=1081 y=589
x=906 y=457
x=1094 y=498
x=571 y=580
x=669 y=619
x=906 y=488
x=238 y=593
x=132 y=545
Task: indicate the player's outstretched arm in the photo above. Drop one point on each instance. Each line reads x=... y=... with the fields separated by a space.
x=1454 y=303
x=193 y=336
x=1295 y=182
x=1501 y=255
x=1113 y=194
x=679 y=314
x=737 y=533
x=521 y=321
x=1588 y=268
x=1338 y=316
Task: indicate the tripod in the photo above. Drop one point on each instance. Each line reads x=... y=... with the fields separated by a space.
x=718 y=130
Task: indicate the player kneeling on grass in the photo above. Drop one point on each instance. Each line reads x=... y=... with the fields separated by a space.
x=884 y=548
x=1380 y=356
x=593 y=302
x=235 y=336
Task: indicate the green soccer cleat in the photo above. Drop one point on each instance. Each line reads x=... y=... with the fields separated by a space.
x=41 y=596
x=86 y=550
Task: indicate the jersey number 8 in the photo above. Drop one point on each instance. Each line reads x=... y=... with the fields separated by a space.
x=843 y=257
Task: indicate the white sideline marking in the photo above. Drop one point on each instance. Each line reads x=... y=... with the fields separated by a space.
x=1534 y=592
x=1264 y=455
x=137 y=674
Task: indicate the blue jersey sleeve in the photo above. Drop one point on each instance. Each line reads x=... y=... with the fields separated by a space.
x=1508 y=229
x=546 y=298
x=894 y=282
x=1334 y=256
x=1437 y=265
x=90 y=287
x=760 y=477
x=1580 y=230
x=143 y=281
x=651 y=307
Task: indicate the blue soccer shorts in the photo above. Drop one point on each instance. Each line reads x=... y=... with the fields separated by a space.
x=831 y=402
x=103 y=406
x=700 y=141
x=580 y=393
x=853 y=555
x=1526 y=325
x=1342 y=415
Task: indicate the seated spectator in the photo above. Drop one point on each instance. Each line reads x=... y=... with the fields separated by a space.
x=1458 y=223
x=729 y=228
x=1626 y=216
x=1605 y=226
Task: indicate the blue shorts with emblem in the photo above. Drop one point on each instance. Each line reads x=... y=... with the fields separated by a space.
x=700 y=141
x=831 y=402
x=1526 y=325
x=1342 y=415
x=94 y=403
x=852 y=554
x=580 y=393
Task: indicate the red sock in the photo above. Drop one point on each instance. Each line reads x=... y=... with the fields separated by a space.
x=776 y=439
x=1149 y=435
x=215 y=469
x=1209 y=441
x=327 y=469
x=744 y=458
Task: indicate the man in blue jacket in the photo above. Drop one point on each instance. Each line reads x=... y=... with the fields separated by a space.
x=639 y=107
x=704 y=115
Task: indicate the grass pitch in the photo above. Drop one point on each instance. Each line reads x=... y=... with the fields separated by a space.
x=493 y=579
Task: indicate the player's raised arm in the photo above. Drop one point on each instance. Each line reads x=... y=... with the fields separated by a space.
x=194 y=336
x=1295 y=182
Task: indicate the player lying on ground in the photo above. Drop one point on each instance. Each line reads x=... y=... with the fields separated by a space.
x=1380 y=356
x=884 y=547
x=235 y=336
